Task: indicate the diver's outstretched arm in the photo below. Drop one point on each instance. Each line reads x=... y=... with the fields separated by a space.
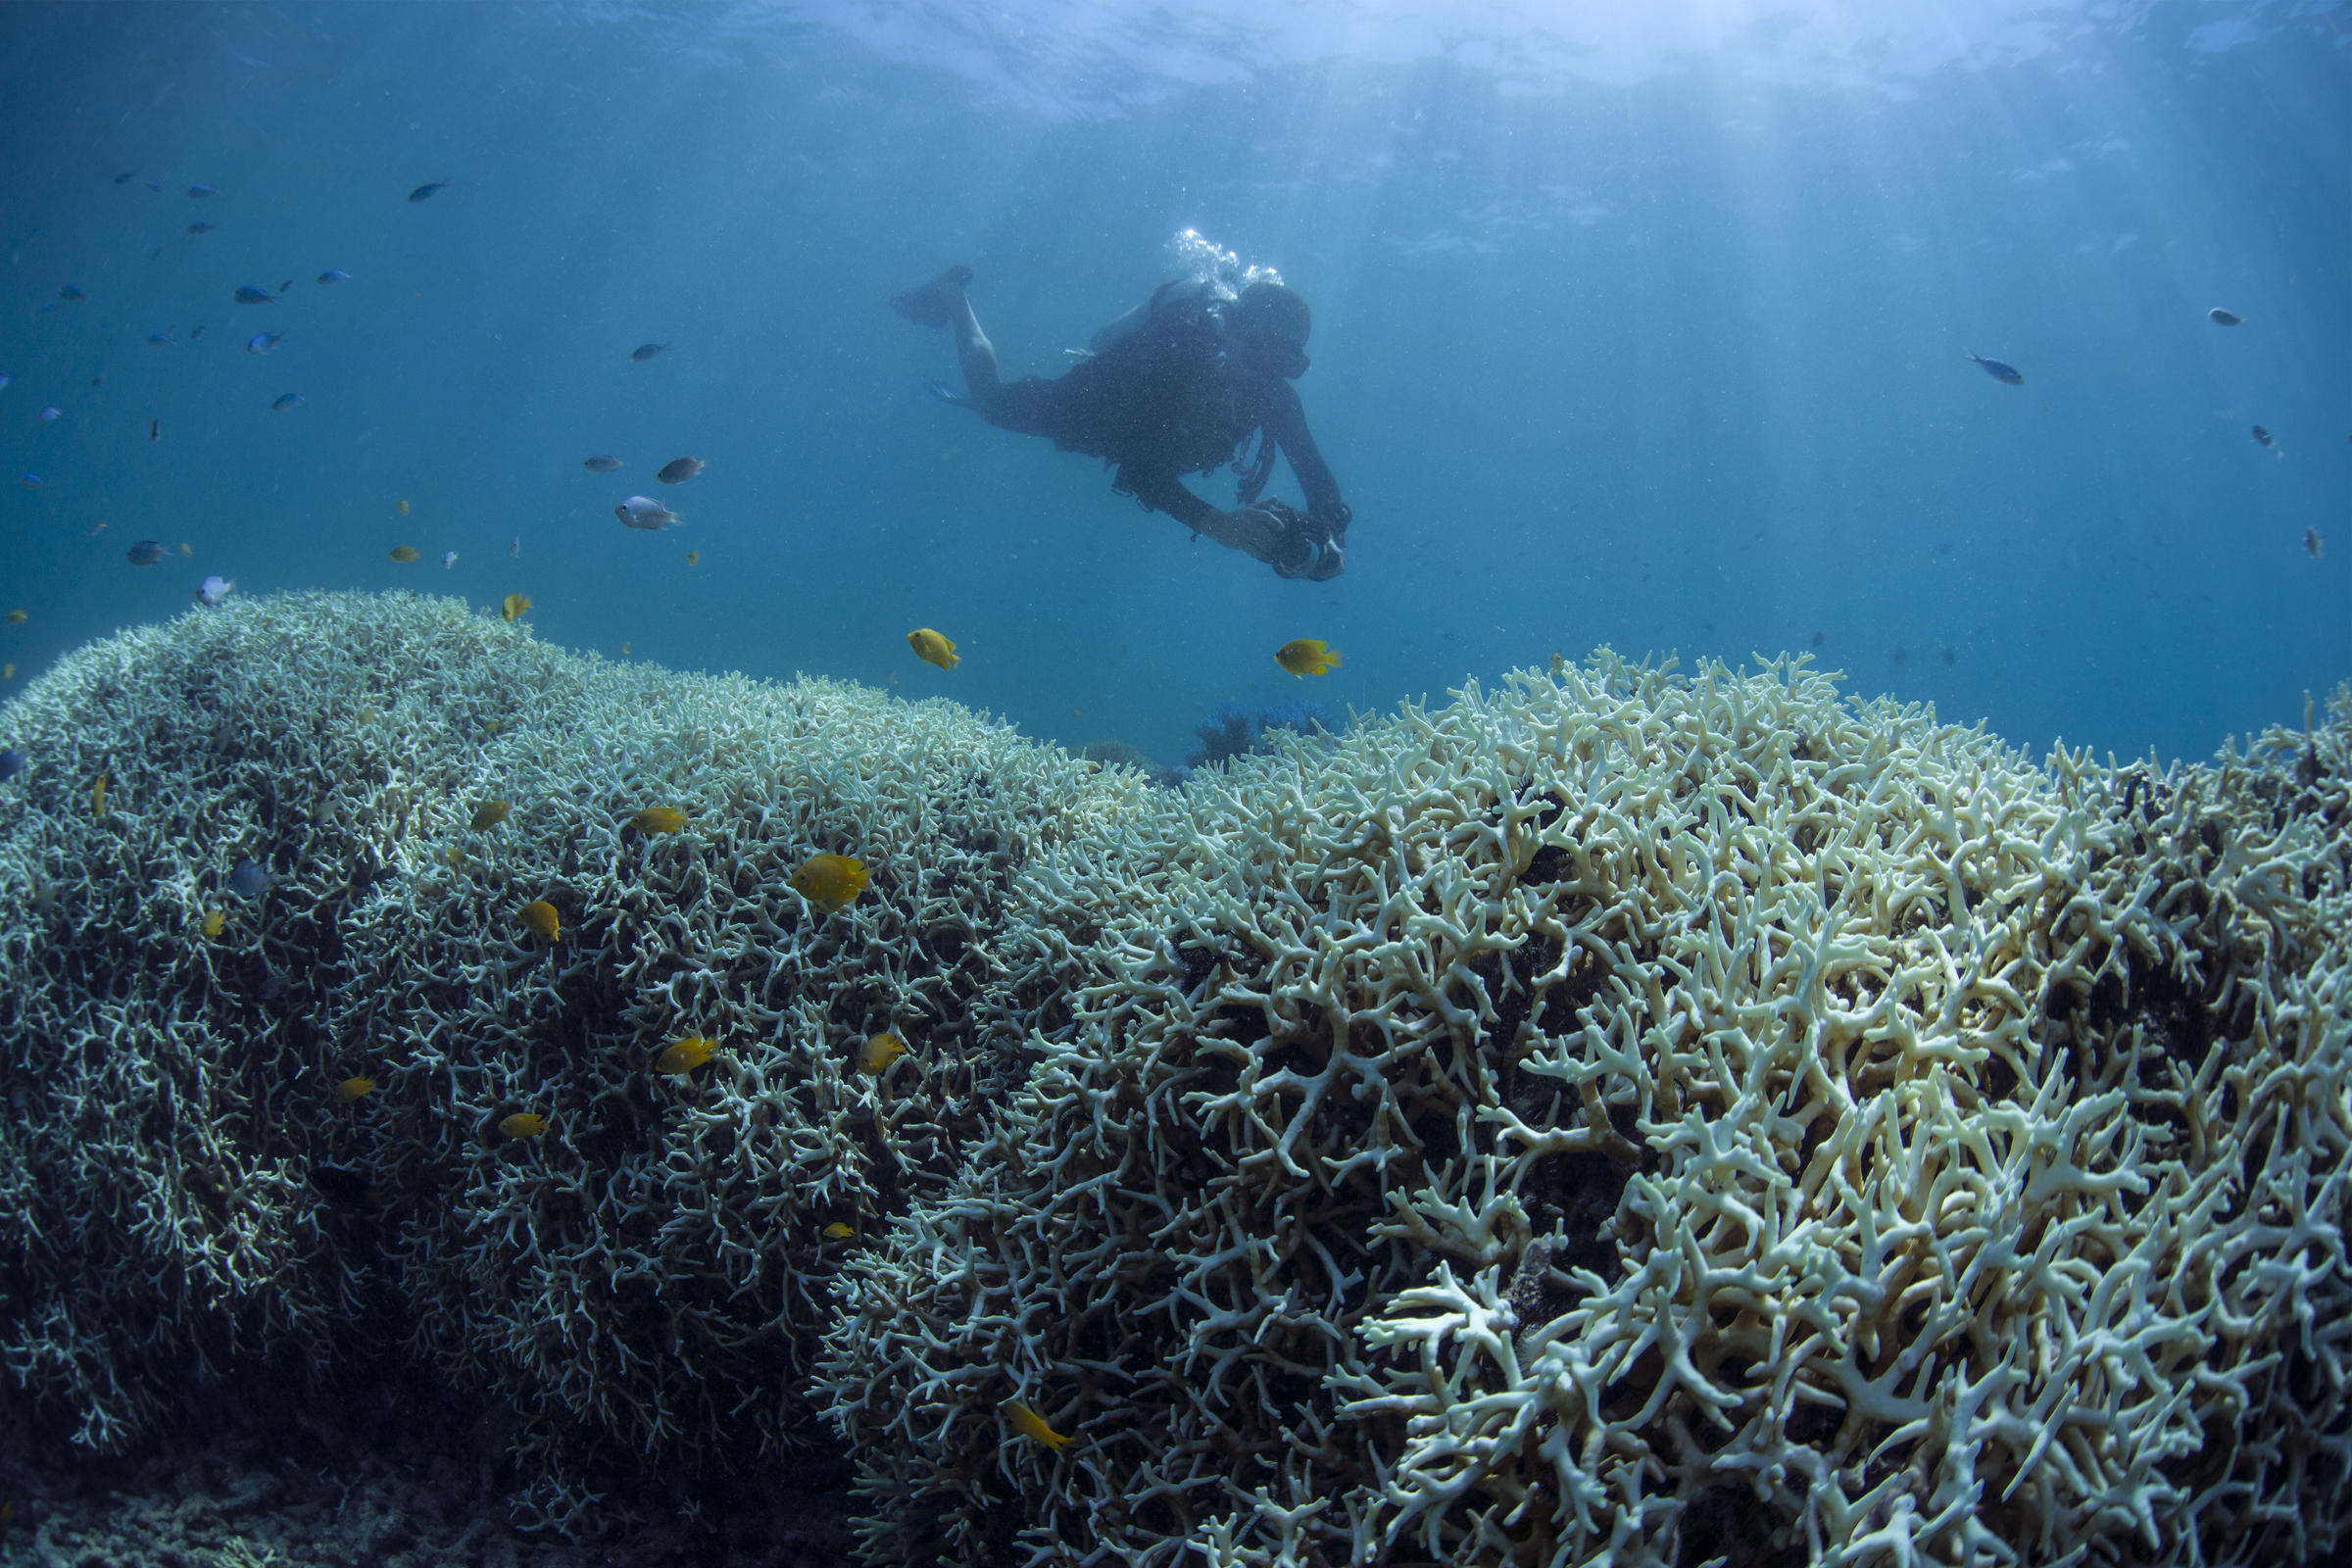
x=1286 y=424
x=1253 y=530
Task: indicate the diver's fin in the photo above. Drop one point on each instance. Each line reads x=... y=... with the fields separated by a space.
x=947 y=394
x=932 y=304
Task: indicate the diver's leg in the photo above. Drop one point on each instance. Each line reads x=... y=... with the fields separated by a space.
x=943 y=302
x=978 y=356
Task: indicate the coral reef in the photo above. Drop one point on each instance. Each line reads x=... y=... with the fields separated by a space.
x=1653 y=1120
x=1229 y=731
x=650 y=1275
x=1625 y=1116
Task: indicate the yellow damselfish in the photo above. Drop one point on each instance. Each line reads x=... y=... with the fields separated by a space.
x=693 y=558
x=659 y=820
x=1029 y=1424
x=838 y=1232
x=18 y=617
x=512 y=606
x=540 y=919
x=523 y=1124
x=214 y=921
x=98 y=797
x=1308 y=656
x=684 y=1055
x=351 y=1089
x=932 y=649
x=879 y=1052
x=404 y=554
x=404 y=508
x=829 y=881
x=490 y=813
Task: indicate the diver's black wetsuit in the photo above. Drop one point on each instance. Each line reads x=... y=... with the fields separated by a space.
x=1182 y=391
x=1167 y=399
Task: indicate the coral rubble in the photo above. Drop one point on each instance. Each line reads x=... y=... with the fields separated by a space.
x=1624 y=1116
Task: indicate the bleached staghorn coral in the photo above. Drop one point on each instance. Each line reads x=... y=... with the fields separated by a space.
x=1646 y=1121
x=647 y=1275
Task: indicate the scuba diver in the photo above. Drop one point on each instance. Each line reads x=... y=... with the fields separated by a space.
x=1177 y=385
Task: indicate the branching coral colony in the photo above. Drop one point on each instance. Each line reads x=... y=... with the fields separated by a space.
x=634 y=1259
x=1624 y=1117
x=1641 y=1120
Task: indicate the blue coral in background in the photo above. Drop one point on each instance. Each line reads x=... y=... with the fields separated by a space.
x=1230 y=731
x=1226 y=733
x=1304 y=716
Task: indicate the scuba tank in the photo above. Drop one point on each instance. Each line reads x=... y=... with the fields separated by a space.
x=1175 y=292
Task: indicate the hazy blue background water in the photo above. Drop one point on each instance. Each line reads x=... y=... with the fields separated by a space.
x=1645 y=332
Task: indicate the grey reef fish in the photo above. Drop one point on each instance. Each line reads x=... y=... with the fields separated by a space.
x=2006 y=374
x=2264 y=438
x=645 y=351
x=146 y=553
x=248 y=880
x=645 y=514
x=424 y=192
x=2221 y=318
x=677 y=470
x=335 y=274
x=602 y=462
x=247 y=294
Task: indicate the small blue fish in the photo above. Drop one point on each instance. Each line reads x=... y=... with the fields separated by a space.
x=69 y=292
x=514 y=547
x=248 y=880
x=2006 y=374
x=335 y=274
x=51 y=413
x=203 y=190
x=3 y=382
x=146 y=553
x=30 y=481
x=200 y=226
x=247 y=294
x=284 y=401
x=161 y=340
x=214 y=589
x=156 y=185
x=424 y=191
x=124 y=176
x=645 y=351
x=263 y=342
x=12 y=762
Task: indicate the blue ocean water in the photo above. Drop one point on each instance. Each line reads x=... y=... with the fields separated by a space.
x=1647 y=329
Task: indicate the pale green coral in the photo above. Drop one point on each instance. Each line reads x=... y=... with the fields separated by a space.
x=1622 y=1117
x=651 y=1273
x=1637 y=1119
